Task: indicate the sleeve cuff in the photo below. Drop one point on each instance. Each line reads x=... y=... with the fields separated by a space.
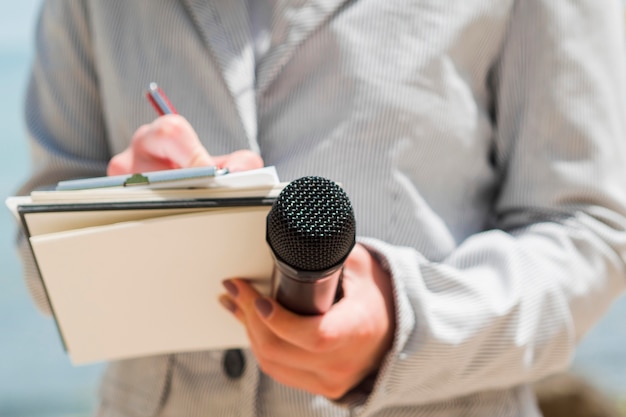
x=370 y=391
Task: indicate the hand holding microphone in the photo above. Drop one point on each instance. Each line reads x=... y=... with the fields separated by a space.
x=311 y=232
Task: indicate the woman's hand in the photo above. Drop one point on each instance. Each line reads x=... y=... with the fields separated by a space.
x=326 y=354
x=170 y=142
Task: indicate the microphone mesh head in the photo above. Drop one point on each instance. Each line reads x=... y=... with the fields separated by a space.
x=311 y=225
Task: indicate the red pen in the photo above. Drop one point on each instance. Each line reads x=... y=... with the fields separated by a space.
x=159 y=100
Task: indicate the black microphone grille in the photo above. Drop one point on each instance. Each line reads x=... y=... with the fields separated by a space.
x=311 y=226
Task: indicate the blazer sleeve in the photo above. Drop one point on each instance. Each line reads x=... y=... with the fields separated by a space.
x=63 y=115
x=508 y=305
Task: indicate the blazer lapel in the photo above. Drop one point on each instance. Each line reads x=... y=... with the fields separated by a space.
x=292 y=22
x=225 y=27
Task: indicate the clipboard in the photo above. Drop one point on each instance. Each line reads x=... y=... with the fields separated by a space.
x=132 y=278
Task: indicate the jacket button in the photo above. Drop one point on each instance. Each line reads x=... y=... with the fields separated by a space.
x=234 y=363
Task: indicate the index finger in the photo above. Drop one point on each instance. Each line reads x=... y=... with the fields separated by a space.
x=321 y=333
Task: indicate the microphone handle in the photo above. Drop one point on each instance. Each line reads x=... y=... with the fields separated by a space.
x=307 y=297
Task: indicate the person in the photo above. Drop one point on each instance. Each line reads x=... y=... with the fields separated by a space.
x=480 y=142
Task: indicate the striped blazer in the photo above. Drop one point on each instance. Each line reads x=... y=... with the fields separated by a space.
x=480 y=141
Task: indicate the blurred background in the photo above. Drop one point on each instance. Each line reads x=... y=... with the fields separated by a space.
x=36 y=378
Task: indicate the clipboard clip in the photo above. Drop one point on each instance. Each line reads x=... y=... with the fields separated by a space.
x=136 y=179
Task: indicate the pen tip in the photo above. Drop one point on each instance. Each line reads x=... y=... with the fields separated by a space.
x=153 y=86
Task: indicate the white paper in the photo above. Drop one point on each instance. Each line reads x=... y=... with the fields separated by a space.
x=150 y=287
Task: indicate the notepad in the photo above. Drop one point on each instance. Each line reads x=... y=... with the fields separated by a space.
x=133 y=273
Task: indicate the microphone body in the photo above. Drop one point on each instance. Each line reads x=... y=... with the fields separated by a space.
x=307 y=293
x=311 y=231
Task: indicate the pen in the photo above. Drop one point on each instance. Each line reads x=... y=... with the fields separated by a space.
x=159 y=100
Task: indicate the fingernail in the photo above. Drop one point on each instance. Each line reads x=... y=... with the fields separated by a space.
x=228 y=304
x=263 y=306
x=231 y=288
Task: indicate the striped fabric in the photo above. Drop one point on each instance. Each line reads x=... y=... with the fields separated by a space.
x=481 y=142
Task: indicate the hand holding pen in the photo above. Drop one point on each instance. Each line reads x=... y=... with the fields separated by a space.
x=170 y=142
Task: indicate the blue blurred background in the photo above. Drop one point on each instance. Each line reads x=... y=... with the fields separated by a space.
x=36 y=378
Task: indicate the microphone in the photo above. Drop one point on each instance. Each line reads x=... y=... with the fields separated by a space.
x=311 y=231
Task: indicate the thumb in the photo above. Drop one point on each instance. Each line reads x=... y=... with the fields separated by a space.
x=199 y=157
